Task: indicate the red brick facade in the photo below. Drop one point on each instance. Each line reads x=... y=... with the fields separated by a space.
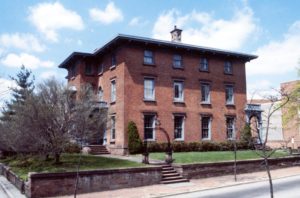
x=129 y=74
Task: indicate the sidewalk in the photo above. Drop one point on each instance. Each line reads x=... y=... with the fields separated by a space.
x=160 y=190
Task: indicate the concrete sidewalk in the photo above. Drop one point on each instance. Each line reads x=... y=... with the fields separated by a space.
x=161 y=190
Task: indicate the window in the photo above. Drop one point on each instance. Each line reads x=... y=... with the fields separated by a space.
x=205 y=93
x=177 y=61
x=178 y=91
x=88 y=69
x=113 y=60
x=203 y=64
x=72 y=71
x=149 y=90
x=100 y=94
x=148 y=57
x=113 y=128
x=179 y=127
x=100 y=68
x=230 y=127
x=205 y=127
x=227 y=67
x=149 y=127
x=229 y=95
x=113 y=91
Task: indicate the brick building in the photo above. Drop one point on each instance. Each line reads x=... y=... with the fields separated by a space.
x=196 y=93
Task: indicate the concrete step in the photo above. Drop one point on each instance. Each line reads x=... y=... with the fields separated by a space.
x=170 y=175
x=174 y=181
x=169 y=171
x=167 y=168
x=172 y=178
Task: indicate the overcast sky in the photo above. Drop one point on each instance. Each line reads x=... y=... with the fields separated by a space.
x=40 y=35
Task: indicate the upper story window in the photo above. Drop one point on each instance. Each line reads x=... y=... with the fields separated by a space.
x=72 y=71
x=149 y=127
x=229 y=94
x=88 y=69
x=177 y=61
x=100 y=94
x=206 y=128
x=228 y=67
x=148 y=57
x=113 y=91
x=205 y=93
x=113 y=60
x=100 y=68
x=149 y=89
x=178 y=91
x=230 y=130
x=179 y=127
x=203 y=64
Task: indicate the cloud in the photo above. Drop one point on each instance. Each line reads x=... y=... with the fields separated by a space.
x=107 y=16
x=48 y=74
x=29 y=61
x=137 y=21
x=260 y=89
x=5 y=90
x=278 y=57
x=48 y=18
x=26 y=42
x=201 y=28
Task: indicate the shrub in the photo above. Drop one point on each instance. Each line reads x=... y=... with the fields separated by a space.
x=72 y=148
x=134 y=141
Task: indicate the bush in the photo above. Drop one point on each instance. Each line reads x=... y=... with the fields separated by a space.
x=134 y=141
x=72 y=148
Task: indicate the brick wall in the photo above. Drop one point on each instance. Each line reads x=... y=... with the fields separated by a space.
x=58 y=184
x=196 y=171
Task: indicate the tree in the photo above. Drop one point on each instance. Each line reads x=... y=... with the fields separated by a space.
x=134 y=142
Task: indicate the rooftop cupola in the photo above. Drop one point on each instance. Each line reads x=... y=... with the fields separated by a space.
x=176 y=34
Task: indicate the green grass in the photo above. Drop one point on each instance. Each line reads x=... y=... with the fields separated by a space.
x=23 y=165
x=213 y=156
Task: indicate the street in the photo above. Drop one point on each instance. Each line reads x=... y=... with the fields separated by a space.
x=7 y=190
x=285 y=187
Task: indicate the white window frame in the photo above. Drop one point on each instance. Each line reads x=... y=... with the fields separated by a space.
x=113 y=127
x=146 y=96
x=113 y=90
x=180 y=85
x=182 y=127
x=209 y=127
x=204 y=66
x=228 y=67
x=153 y=127
x=231 y=128
x=148 y=57
x=204 y=88
x=177 y=61
x=229 y=91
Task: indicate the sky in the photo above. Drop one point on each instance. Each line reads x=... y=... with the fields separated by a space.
x=41 y=34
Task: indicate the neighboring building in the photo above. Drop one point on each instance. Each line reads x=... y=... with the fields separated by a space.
x=196 y=93
x=282 y=132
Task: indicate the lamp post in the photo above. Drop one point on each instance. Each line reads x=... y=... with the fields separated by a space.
x=169 y=150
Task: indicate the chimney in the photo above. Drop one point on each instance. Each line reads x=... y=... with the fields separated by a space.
x=176 y=34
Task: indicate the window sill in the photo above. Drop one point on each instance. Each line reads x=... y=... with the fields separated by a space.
x=206 y=103
x=230 y=74
x=179 y=68
x=149 y=100
x=178 y=102
x=179 y=140
x=112 y=67
x=230 y=105
x=149 y=140
x=112 y=142
x=112 y=103
x=206 y=139
x=149 y=64
x=204 y=71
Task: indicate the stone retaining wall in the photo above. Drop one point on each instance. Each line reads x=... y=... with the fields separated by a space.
x=12 y=177
x=57 y=184
x=202 y=170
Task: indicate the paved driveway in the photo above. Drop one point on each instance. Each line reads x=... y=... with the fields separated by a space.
x=7 y=190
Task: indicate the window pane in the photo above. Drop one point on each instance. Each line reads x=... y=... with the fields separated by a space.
x=113 y=91
x=205 y=93
x=230 y=127
x=113 y=127
x=178 y=91
x=229 y=95
x=177 y=61
x=178 y=127
x=228 y=67
x=149 y=89
x=149 y=126
x=205 y=126
x=203 y=64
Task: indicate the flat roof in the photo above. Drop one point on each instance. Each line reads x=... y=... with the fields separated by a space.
x=162 y=43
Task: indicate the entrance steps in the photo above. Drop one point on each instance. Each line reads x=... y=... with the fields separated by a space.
x=98 y=150
x=170 y=175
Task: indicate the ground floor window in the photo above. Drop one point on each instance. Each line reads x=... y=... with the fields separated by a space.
x=149 y=127
x=230 y=127
x=205 y=127
x=179 y=127
x=113 y=128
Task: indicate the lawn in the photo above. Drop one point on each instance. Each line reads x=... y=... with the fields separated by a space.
x=213 y=156
x=22 y=165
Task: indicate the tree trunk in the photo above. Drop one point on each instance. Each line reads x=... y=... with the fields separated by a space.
x=269 y=176
x=57 y=158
